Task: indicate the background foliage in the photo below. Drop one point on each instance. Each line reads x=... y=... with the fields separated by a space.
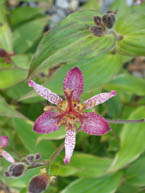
x=107 y=164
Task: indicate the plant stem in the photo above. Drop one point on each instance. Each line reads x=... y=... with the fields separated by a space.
x=125 y=121
x=55 y=154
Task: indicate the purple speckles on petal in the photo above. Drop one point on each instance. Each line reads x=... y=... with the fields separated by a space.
x=3 y=141
x=74 y=81
x=45 y=93
x=46 y=123
x=70 y=141
x=99 y=99
x=95 y=124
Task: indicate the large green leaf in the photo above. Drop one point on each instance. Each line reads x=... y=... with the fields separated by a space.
x=95 y=75
x=127 y=83
x=106 y=184
x=131 y=28
x=29 y=137
x=10 y=77
x=19 y=15
x=7 y=110
x=27 y=34
x=5 y=32
x=89 y=166
x=132 y=141
x=69 y=42
x=136 y=172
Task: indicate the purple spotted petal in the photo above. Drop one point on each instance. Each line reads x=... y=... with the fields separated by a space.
x=7 y=156
x=45 y=93
x=95 y=124
x=46 y=123
x=70 y=141
x=4 y=141
x=74 y=81
x=99 y=98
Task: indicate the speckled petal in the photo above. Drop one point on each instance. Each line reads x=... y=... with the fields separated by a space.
x=7 y=156
x=45 y=93
x=4 y=141
x=46 y=123
x=74 y=81
x=99 y=99
x=70 y=141
x=95 y=124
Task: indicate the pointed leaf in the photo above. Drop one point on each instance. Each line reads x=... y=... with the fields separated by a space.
x=132 y=141
x=106 y=184
x=127 y=83
x=70 y=41
x=7 y=110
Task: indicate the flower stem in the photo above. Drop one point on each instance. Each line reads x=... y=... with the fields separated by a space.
x=125 y=121
x=55 y=154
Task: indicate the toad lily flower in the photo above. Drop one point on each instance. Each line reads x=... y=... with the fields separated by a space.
x=71 y=111
x=3 y=143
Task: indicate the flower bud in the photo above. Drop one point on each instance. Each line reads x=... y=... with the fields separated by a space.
x=109 y=19
x=38 y=156
x=3 y=53
x=38 y=184
x=30 y=158
x=97 y=20
x=97 y=30
x=16 y=170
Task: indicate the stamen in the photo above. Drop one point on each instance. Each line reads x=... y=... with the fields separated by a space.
x=48 y=108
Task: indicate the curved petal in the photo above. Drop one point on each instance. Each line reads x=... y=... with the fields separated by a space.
x=99 y=99
x=4 y=141
x=7 y=156
x=70 y=141
x=45 y=93
x=74 y=82
x=95 y=124
x=46 y=123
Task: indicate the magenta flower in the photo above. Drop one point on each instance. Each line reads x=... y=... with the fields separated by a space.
x=3 y=143
x=71 y=111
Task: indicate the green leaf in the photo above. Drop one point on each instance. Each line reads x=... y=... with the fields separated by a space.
x=89 y=165
x=69 y=42
x=127 y=83
x=106 y=184
x=5 y=32
x=62 y=170
x=19 y=15
x=27 y=34
x=127 y=188
x=92 y=4
x=60 y=134
x=132 y=141
x=11 y=77
x=29 y=137
x=131 y=27
x=95 y=75
x=7 y=110
x=136 y=172
x=122 y=8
